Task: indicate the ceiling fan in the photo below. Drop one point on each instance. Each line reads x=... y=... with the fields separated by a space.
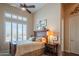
x=23 y=5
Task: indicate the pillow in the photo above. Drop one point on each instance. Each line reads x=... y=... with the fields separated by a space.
x=32 y=38
x=38 y=39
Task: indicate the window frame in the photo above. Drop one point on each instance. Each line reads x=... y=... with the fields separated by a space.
x=17 y=21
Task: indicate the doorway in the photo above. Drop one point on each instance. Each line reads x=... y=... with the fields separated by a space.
x=74 y=34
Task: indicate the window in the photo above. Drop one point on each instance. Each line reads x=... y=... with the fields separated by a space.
x=19 y=18
x=14 y=16
x=24 y=32
x=24 y=19
x=15 y=30
x=8 y=31
x=19 y=32
x=8 y=15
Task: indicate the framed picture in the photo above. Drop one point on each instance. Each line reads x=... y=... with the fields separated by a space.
x=42 y=24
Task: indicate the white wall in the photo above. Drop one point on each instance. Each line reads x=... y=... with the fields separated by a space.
x=51 y=12
x=14 y=10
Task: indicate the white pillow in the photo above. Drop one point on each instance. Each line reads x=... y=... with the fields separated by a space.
x=31 y=38
x=38 y=39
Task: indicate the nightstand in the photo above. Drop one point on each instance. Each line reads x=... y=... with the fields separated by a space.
x=51 y=49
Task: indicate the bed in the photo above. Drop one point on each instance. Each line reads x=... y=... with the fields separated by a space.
x=29 y=48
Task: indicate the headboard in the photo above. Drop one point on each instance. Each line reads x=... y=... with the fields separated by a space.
x=41 y=33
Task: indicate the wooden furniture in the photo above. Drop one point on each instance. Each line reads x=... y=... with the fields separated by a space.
x=12 y=48
x=51 y=49
x=41 y=33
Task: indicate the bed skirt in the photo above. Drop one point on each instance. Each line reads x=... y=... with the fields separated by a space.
x=38 y=52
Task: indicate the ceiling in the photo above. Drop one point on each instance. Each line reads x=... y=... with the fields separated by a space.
x=37 y=6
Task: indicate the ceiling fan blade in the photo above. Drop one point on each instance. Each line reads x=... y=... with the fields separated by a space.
x=21 y=5
x=29 y=6
x=28 y=11
x=25 y=6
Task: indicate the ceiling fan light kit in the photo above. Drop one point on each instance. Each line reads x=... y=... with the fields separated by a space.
x=25 y=7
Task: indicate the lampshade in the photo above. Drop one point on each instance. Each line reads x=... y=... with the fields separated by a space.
x=50 y=33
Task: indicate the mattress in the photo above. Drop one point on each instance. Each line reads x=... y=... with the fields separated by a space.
x=29 y=46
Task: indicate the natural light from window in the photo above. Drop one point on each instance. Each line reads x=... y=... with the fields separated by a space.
x=15 y=28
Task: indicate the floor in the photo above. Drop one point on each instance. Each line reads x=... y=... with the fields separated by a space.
x=69 y=54
x=63 y=54
x=4 y=53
